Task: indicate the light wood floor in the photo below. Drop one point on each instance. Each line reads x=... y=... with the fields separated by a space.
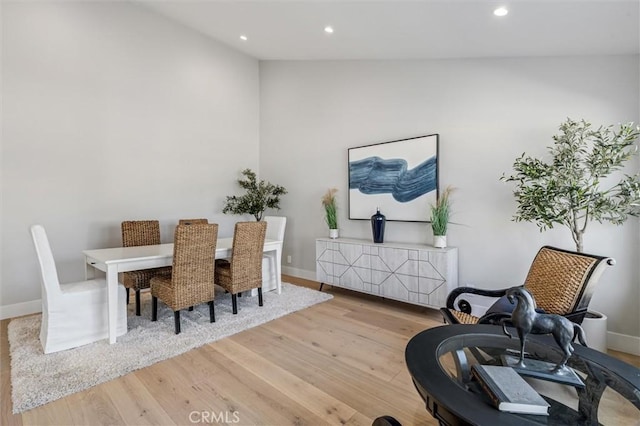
x=339 y=362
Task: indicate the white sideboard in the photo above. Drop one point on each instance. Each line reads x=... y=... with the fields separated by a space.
x=413 y=273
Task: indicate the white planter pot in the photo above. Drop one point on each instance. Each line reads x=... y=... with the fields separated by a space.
x=334 y=233
x=595 y=327
x=439 y=241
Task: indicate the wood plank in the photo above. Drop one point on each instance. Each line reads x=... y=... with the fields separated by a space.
x=134 y=402
x=250 y=399
x=93 y=406
x=320 y=403
x=323 y=320
x=6 y=409
x=368 y=394
x=170 y=385
x=358 y=351
x=54 y=413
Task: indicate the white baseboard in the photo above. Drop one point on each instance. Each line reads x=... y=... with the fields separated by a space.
x=20 y=309
x=300 y=273
x=623 y=343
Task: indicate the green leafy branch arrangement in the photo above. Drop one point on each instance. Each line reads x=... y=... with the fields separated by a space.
x=567 y=190
x=259 y=197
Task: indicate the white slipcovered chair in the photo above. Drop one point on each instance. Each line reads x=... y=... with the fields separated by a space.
x=275 y=231
x=73 y=314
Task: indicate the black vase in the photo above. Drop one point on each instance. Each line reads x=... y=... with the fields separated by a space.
x=377 y=226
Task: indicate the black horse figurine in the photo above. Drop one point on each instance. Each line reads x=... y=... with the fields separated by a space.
x=526 y=320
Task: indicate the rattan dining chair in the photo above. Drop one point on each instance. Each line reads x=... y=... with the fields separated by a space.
x=191 y=281
x=561 y=282
x=193 y=221
x=243 y=271
x=140 y=233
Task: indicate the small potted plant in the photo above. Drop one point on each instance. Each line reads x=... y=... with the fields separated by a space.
x=331 y=211
x=440 y=218
x=259 y=197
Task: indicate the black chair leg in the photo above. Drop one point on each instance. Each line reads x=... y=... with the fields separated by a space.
x=234 y=302
x=212 y=312
x=240 y=294
x=259 y=296
x=190 y=308
x=137 y=303
x=154 y=308
x=176 y=317
x=128 y=295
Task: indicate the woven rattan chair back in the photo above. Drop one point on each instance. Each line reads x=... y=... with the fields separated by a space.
x=246 y=255
x=192 y=277
x=563 y=281
x=193 y=221
x=191 y=281
x=140 y=233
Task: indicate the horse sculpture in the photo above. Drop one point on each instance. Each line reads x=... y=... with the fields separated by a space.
x=526 y=320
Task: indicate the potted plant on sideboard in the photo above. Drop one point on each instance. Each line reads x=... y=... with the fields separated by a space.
x=440 y=212
x=331 y=212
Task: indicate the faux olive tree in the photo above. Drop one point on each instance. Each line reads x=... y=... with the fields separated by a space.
x=259 y=197
x=573 y=188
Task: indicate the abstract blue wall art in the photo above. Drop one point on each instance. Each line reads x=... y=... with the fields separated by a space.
x=399 y=177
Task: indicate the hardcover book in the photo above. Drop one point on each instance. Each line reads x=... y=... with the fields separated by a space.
x=508 y=391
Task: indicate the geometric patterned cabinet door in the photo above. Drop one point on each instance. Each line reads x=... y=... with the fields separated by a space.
x=413 y=273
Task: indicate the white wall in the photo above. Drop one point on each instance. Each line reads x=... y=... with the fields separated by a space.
x=487 y=113
x=112 y=112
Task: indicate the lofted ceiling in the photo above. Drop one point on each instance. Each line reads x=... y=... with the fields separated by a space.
x=401 y=29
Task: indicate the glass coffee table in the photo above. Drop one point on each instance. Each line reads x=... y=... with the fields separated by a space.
x=439 y=361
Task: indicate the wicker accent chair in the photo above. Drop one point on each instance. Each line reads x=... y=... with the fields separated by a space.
x=193 y=221
x=243 y=271
x=561 y=282
x=141 y=233
x=191 y=281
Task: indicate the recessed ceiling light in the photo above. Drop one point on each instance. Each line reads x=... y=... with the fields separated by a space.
x=501 y=11
x=243 y=37
x=328 y=29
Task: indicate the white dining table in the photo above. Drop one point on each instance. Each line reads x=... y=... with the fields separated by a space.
x=123 y=259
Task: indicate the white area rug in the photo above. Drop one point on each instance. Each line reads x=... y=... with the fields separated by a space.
x=37 y=378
